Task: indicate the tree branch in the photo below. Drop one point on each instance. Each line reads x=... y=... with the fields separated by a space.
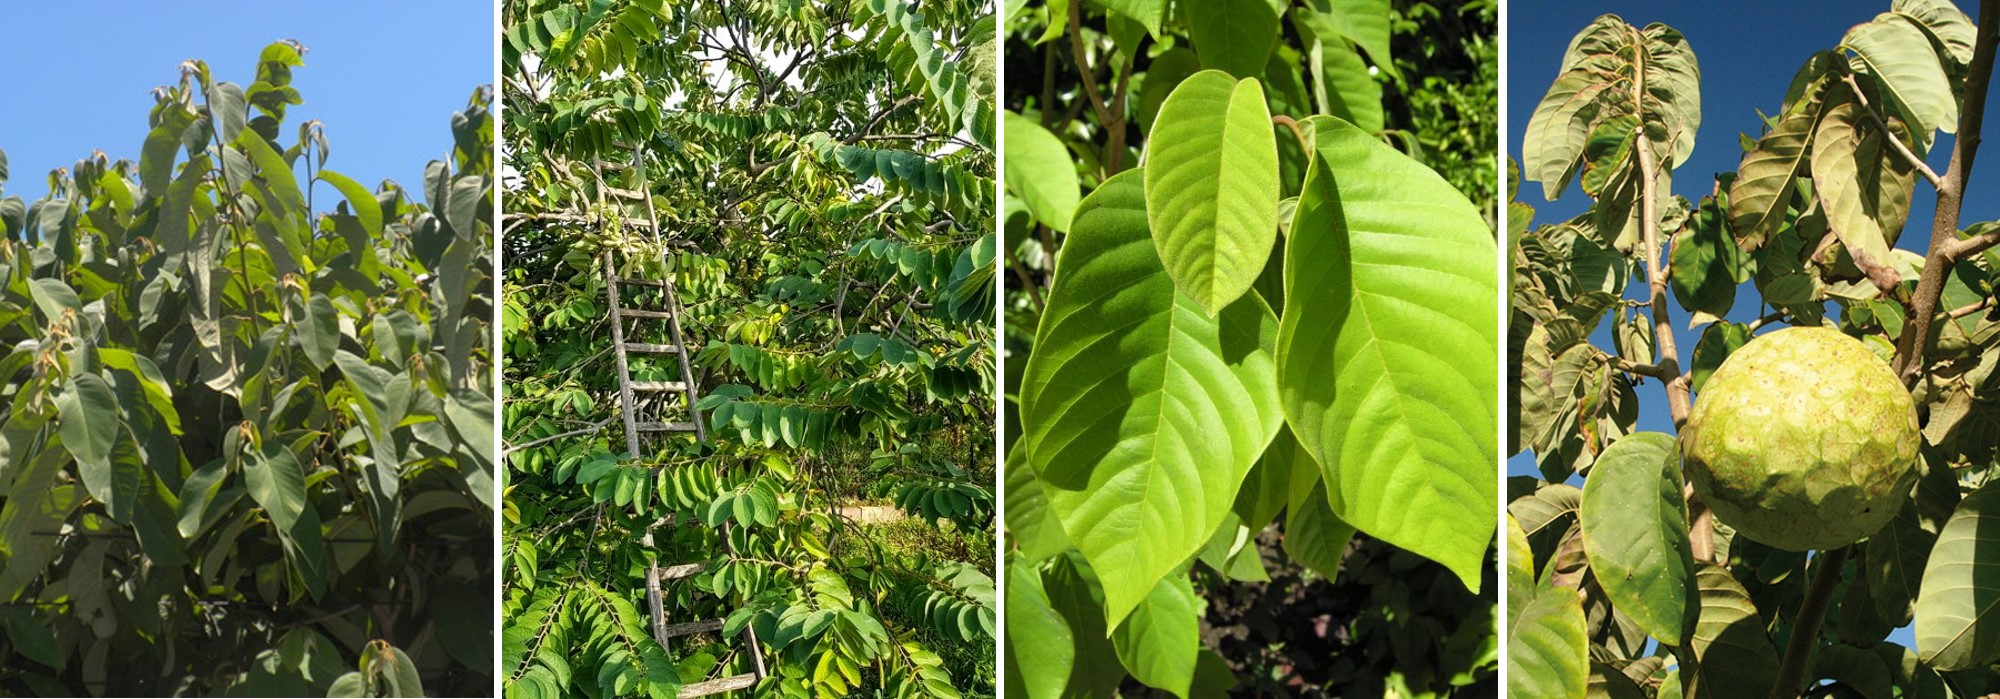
x=1862 y=98
x=1946 y=249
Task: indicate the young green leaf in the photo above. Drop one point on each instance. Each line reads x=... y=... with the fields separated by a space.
x=1384 y=370
x=1039 y=170
x=1159 y=640
x=1040 y=650
x=1126 y=374
x=1212 y=186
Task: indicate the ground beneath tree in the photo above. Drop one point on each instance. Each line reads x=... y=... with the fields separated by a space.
x=871 y=514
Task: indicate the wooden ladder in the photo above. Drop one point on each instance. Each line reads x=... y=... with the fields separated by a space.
x=688 y=389
x=677 y=346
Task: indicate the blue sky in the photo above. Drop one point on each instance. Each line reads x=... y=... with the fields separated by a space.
x=384 y=77
x=1748 y=53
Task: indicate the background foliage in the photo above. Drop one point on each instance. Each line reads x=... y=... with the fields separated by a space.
x=822 y=175
x=246 y=436
x=1295 y=606
x=1806 y=233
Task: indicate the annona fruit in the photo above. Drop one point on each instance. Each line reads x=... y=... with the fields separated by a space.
x=1803 y=439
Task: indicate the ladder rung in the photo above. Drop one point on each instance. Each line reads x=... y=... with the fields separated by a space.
x=642 y=282
x=648 y=347
x=664 y=426
x=718 y=686
x=643 y=313
x=693 y=627
x=659 y=386
x=684 y=570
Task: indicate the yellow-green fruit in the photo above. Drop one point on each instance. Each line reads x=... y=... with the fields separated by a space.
x=1802 y=439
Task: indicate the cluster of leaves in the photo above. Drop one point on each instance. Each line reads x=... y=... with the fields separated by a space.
x=817 y=180
x=1276 y=313
x=1626 y=585
x=246 y=446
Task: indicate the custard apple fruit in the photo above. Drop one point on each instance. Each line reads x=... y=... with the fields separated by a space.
x=1803 y=439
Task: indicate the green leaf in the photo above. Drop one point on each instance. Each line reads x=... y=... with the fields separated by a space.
x=89 y=414
x=1074 y=593
x=1147 y=13
x=1366 y=23
x=32 y=637
x=1165 y=73
x=1212 y=186
x=1730 y=652
x=1036 y=531
x=1232 y=35
x=1159 y=640
x=359 y=199
x=1863 y=183
x=276 y=482
x=1520 y=562
x=1955 y=622
x=1896 y=558
x=1762 y=193
x=1947 y=25
x=319 y=331
x=1635 y=532
x=1896 y=50
x=1315 y=537
x=1716 y=344
x=54 y=297
x=1352 y=93
x=1040 y=650
x=1548 y=653
x=25 y=524
x=1125 y=370
x=1386 y=372
x=1040 y=171
x=1705 y=262
x=228 y=110
x=1552 y=148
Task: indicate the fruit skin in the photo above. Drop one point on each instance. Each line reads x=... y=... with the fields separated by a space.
x=1803 y=439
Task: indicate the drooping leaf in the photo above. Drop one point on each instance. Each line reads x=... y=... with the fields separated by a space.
x=1863 y=183
x=1955 y=625
x=1159 y=640
x=1894 y=49
x=1730 y=653
x=1548 y=653
x=90 y=426
x=1763 y=189
x=1635 y=532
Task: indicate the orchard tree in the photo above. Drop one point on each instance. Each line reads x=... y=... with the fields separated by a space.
x=1827 y=481
x=817 y=181
x=246 y=438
